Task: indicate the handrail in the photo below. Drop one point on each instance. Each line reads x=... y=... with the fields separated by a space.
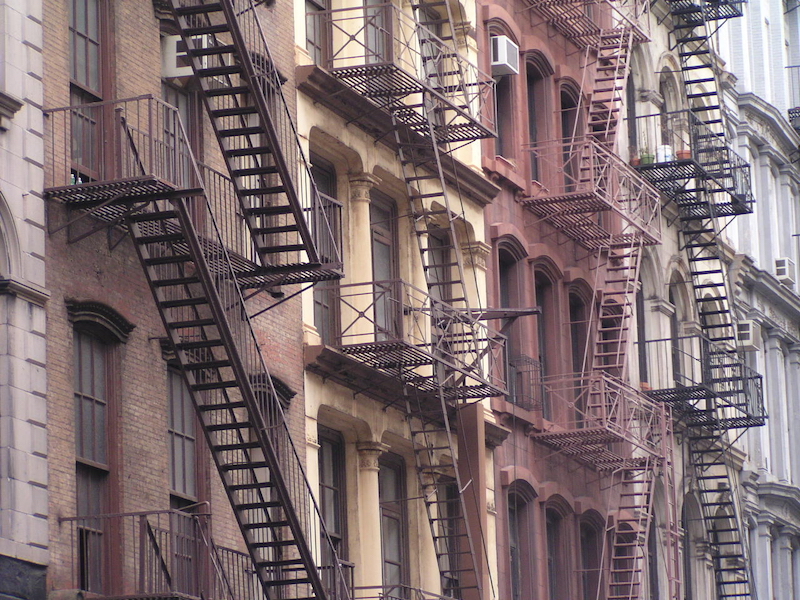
x=381 y=36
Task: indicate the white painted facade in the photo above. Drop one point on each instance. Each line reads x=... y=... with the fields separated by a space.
x=23 y=414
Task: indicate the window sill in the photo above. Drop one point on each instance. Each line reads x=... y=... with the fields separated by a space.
x=504 y=168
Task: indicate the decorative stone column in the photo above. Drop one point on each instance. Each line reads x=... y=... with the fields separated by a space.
x=775 y=394
x=762 y=558
x=793 y=421
x=369 y=569
x=783 y=564
x=359 y=265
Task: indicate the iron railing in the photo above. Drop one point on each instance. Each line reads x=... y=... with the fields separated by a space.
x=596 y=409
x=116 y=141
x=578 y=176
x=524 y=382
x=164 y=554
x=101 y=152
x=376 y=318
x=585 y=21
x=697 y=375
x=678 y=145
x=151 y=554
x=389 y=56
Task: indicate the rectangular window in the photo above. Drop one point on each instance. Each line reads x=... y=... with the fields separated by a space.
x=91 y=406
x=394 y=524
x=332 y=489
x=382 y=217
x=84 y=34
x=326 y=294
x=91 y=376
x=317 y=24
x=182 y=438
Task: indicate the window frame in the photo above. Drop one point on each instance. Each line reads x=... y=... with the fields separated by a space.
x=396 y=509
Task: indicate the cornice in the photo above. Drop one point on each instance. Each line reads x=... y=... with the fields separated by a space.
x=9 y=106
x=765 y=284
x=34 y=294
x=756 y=110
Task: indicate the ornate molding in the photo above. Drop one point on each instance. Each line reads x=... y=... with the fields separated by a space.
x=369 y=454
x=476 y=254
x=361 y=184
x=97 y=313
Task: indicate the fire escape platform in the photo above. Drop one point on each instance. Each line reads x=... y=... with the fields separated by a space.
x=574 y=215
x=119 y=191
x=387 y=86
x=393 y=369
x=331 y=92
x=591 y=446
x=571 y=20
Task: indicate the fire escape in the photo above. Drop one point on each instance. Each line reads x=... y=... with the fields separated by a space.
x=208 y=243
x=712 y=390
x=423 y=351
x=589 y=194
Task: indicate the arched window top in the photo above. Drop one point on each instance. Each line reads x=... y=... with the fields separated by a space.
x=592 y=519
x=522 y=490
x=99 y=319
x=579 y=290
x=510 y=249
x=557 y=507
x=497 y=26
x=570 y=93
x=538 y=61
x=545 y=268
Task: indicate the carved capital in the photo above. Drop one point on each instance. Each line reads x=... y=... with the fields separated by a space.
x=476 y=254
x=369 y=453
x=360 y=186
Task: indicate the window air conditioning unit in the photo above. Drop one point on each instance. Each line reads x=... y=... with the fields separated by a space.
x=174 y=58
x=748 y=335
x=505 y=56
x=784 y=271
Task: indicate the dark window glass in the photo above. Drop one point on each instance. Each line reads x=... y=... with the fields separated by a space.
x=332 y=488
x=504 y=116
x=394 y=524
x=326 y=294
x=384 y=251
x=84 y=33
x=556 y=569
x=91 y=376
x=316 y=30
x=182 y=438
x=590 y=561
x=535 y=89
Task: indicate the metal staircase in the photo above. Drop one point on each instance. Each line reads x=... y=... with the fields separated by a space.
x=710 y=184
x=629 y=533
x=611 y=72
x=194 y=255
x=241 y=89
x=194 y=283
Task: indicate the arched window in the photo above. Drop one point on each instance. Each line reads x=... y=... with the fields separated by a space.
x=545 y=322
x=97 y=332
x=537 y=70
x=591 y=542
x=641 y=333
x=520 y=542
x=504 y=105
x=570 y=127
x=557 y=568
